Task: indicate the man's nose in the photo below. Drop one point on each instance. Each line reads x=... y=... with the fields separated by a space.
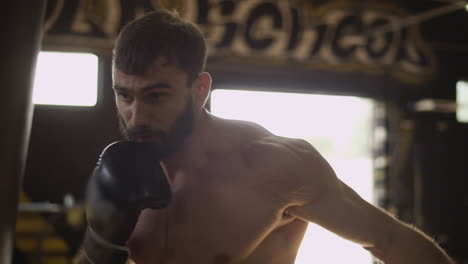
x=139 y=115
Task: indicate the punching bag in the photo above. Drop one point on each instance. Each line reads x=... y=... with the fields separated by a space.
x=21 y=31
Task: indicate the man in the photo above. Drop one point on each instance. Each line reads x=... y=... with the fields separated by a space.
x=240 y=193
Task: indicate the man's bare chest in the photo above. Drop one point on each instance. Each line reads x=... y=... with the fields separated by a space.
x=217 y=212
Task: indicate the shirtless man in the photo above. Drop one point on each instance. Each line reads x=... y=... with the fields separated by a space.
x=239 y=193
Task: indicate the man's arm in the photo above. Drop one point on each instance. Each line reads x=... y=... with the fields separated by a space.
x=127 y=179
x=81 y=258
x=330 y=203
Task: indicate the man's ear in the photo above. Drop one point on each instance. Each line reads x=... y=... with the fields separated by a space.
x=202 y=89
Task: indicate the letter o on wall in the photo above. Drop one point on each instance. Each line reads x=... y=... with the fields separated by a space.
x=372 y=49
x=263 y=9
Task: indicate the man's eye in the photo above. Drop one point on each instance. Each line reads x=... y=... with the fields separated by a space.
x=123 y=96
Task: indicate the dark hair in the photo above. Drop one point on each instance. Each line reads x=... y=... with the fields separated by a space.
x=160 y=33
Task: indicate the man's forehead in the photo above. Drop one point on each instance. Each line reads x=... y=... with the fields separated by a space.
x=162 y=69
x=129 y=81
x=160 y=62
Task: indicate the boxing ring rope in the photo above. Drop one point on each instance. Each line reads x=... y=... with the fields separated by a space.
x=22 y=21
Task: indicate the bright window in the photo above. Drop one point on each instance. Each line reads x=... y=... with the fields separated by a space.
x=462 y=101
x=338 y=126
x=65 y=78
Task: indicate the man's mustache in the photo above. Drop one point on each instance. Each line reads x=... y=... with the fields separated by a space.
x=134 y=133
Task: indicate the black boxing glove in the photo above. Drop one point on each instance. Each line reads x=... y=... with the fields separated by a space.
x=127 y=179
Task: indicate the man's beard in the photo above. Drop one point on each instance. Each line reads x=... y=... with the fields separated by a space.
x=168 y=143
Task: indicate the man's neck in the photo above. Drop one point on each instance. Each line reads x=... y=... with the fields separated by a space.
x=196 y=145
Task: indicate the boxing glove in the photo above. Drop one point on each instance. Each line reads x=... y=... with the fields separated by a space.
x=127 y=179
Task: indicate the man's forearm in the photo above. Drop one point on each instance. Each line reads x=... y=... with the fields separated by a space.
x=81 y=258
x=409 y=245
x=97 y=250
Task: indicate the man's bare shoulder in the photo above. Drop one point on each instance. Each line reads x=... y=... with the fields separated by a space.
x=292 y=167
x=253 y=134
x=240 y=128
x=289 y=150
x=261 y=147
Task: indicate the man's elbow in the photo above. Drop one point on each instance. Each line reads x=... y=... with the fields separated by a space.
x=405 y=244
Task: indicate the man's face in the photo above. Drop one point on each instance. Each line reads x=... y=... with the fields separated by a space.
x=155 y=107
